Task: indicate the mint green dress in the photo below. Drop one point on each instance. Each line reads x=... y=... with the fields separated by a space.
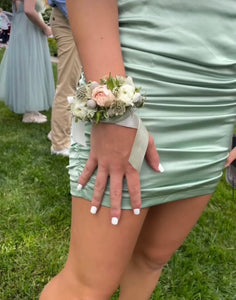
x=183 y=54
x=27 y=82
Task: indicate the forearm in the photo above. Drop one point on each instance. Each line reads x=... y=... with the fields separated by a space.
x=32 y=14
x=95 y=28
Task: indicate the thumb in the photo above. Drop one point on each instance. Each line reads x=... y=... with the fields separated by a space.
x=152 y=156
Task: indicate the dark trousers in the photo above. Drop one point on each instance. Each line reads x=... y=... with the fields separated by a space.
x=4 y=36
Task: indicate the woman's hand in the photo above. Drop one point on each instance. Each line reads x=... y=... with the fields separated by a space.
x=231 y=157
x=34 y=17
x=47 y=31
x=110 y=150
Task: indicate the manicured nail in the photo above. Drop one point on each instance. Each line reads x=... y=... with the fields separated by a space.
x=93 y=210
x=136 y=211
x=114 y=221
x=79 y=187
x=161 y=169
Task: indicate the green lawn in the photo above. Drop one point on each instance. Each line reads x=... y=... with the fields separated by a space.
x=35 y=224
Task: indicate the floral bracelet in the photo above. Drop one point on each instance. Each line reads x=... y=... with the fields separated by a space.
x=112 y=98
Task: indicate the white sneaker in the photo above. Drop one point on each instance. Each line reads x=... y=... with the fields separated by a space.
x=34 y=117
x=37 y=113
x=49 y=136
x=64 y=152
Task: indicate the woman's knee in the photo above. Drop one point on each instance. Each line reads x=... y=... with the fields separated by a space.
x=67 y=285
x=152 y=259
x=52 y=289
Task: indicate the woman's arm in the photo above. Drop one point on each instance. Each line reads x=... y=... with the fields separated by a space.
x=96 y=31
x=31 y=13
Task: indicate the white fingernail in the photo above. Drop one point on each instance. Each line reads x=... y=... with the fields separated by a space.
x=136 y=211
x=79 y=187
x=114 y=221
x=161 y=169
x=93 y=210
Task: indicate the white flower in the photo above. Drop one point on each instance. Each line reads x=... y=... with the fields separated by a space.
x=138 y=98
x=70 y=99
x=129 y=81
x=126 y=94
x=81 y=111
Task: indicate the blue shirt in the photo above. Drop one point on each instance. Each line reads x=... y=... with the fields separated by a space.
x=60 y=4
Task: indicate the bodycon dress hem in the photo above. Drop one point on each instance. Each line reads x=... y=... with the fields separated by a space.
x=147 y=204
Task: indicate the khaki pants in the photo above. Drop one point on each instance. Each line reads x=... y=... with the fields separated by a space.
x=69 y=71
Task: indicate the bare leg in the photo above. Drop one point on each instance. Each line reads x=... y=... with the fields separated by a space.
x=165 y=228
x=99 y=253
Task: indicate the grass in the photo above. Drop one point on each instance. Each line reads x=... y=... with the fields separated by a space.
x=35 y=224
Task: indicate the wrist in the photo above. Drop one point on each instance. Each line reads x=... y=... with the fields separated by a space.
x=45 y=29
x=113 y=100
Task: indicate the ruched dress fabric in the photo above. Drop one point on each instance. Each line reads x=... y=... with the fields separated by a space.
x=183 y=55
x=27 y=82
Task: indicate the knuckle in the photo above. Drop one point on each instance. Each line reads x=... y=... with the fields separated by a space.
x=134 y=190
x=92 y=156
x=115 y=194
x=99 y=187
x=115 y=211
x=103 y=166
x=82 y=179
x=136 y=203
x=96 y=201
x=117 y=167
x=86 y=171
x=130 y=169
x=135 y=196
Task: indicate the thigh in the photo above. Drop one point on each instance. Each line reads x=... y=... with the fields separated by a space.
x=167 y=225
x=99 y=251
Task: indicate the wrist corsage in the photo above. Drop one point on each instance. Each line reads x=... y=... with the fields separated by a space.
x=113 y=100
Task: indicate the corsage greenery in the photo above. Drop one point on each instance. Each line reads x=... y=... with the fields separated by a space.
x=112 y=98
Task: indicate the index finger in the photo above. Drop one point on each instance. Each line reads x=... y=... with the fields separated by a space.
x=87 y=172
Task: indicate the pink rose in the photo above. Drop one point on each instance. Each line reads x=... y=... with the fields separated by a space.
x=103 y=96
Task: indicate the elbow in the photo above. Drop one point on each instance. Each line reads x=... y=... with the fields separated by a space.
x=28 y=12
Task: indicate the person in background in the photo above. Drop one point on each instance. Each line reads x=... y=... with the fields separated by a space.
x=29 y=83
x=4 y=21
x=230 y=173
x=69 y=71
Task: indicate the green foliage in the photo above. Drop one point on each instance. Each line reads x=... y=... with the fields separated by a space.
x=52 y=46
x=46 y=15
x=111 y=82
x=35 y=213
x=6 y=5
